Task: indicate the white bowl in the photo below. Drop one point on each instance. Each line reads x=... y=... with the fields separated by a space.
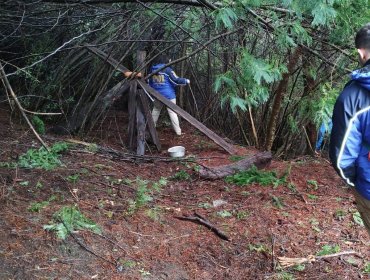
x=176 y=151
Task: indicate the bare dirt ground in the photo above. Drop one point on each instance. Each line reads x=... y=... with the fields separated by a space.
x=296 y=219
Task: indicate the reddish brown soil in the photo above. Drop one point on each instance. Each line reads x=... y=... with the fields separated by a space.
x=156 y=245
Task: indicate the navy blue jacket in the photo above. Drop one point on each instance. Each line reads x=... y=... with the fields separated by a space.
x=165 y=81
x=350 y=137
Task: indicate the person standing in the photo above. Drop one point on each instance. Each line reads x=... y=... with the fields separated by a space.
x=165 y=82
x=350 y=139
x=325 y=128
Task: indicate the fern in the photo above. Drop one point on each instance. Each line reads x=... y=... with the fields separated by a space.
x=322 y=14
x=42 y=158
x=225 y=16
x=253 y=175
x=69 y=219
x=38 y=124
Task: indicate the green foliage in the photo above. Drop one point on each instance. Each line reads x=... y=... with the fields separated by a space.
x=69 y=219
x=315 y=225
x=357 y=219
x=145 y=192
x=154 y=213
x=43 y=159
x=241 y=215
x=259 y=248
x=73 y=178
x=38 y=124
x=285 y=276
x=312 y=196
x=320 y=106
x=278 y=202
x=313 y=183
x=247 y=85
x=253 y=175
x=328 y=249
x=9 y=165
x=204 y=205
x=367 y=268
x=226 y=17
x=157 y=186
x=323 y=14
x=235 y=158
x=299 y=267
x=182 y=175
x=37 y=206
x=224 y=214
x=340 y=214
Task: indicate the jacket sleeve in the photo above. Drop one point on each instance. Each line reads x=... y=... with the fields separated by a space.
x=346 y=141
x=174 y=79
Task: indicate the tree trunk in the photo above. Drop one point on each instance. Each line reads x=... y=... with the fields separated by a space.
x=280 y=91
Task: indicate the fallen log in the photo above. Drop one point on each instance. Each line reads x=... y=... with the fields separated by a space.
x=260 y=160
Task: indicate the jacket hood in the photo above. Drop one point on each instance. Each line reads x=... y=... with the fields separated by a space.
x=362 y=76
x=157 y=66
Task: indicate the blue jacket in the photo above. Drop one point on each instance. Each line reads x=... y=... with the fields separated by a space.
x=350 y=137
x=324 y=128
x=165 y=81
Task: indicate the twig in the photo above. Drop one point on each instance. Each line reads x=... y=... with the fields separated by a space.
x=201 y=220
x=308 y=139
x=21 y=109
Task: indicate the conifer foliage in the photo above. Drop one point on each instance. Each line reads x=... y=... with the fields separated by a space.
x=266 y=73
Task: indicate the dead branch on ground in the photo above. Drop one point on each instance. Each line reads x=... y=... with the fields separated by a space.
x=287 y=262
x=201 y=220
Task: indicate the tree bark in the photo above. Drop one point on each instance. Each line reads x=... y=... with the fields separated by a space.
x=279 y=95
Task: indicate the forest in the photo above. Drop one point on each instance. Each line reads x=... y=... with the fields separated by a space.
x=78 y=201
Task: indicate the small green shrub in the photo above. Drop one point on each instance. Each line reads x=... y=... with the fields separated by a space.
x=357 y=218
x=340 y=214
x=328 y=249
x=224 y=214
x=73 y=178
x=241 y=215
x=145 y=193
x=38 y=124
x=204 y=205
x=312 y=196
x=259 y=248
x=10 y=165
x=69 y=219
x=285 y=276
x=367 y=268
x=313 y=183
x=37 y=206
x=43 y=159
x=182 y=175
x=253 y=175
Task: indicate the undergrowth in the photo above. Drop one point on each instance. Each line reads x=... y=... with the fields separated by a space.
x=145 y=192
x=69 y=219
x=41 y=158
x=253 y=175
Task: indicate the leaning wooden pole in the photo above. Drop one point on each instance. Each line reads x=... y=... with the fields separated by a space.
x=209 y=133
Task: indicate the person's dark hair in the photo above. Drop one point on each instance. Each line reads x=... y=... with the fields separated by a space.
x=362 y=40
x=161 y=59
